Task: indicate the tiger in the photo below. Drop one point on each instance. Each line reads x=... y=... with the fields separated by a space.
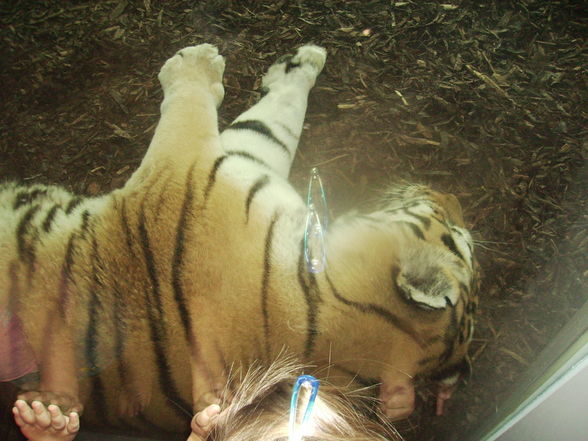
x=155 y=291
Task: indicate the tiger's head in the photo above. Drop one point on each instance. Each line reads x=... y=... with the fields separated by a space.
x=407 y=271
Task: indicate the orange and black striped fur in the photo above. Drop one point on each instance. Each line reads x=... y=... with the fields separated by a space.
x=197 y=265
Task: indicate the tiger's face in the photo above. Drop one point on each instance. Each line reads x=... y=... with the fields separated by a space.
x=410 y=266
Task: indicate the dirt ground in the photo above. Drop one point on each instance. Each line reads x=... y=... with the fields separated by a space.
x=485 y=99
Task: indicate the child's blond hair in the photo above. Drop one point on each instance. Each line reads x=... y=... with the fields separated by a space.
x=259 y=410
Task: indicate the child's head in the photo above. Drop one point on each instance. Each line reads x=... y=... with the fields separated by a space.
x=259 y=410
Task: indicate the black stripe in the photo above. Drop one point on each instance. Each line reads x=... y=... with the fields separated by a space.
x=120 y=335
x=49 y=218
x=432 y=340
x=73 y=203
x=426 y=360
x=471 y=250
x=156 y=319
x=248 y=156
x=470 y=306
x=124 y=222
x=312 y=297
x=424 y=220
x=26 y=197
x=98 y=397
x=415 y=229
x=464 y=318
x=94 y=309
x=26 y=250
x=449 y=243
x=450 y=333
x=85 y=223
x=415 y=203
x=66 y=267
x=265 y=282
x=256 y=187
x=438 y=219
x=163 y=196
x=68 y=261
x=370 y=308
x=220 y=160
x=178 y=260
x=284 y=58
x=212 y=175
x=462 y=334
x=120 y=306
x=22 y=197
x=261 y=128
x=461 y=368
x=291 y=65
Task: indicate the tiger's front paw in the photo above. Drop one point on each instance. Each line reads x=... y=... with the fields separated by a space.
x=397 y=399
x=200 y=64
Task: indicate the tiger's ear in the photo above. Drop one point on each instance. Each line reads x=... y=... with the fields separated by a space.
x=424 y=278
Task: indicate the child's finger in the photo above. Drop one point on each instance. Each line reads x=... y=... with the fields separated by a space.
x=17 y=418
x=58 y=420
x=198 y=423
x=73 y=425
x=205 y=419
x=42 y=415
x=25 y=413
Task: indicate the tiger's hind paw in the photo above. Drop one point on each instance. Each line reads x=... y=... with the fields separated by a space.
x=309 y=59
x=194 y=64
x=310 y=55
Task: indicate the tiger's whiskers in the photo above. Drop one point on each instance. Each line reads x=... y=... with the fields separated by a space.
x=478 y=243
x=179 y=406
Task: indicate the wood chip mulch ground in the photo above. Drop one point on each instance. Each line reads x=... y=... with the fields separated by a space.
x=485 y=99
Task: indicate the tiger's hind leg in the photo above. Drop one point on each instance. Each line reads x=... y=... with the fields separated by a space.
x=270 y=130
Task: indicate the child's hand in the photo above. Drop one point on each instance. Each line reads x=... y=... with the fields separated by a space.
x=66 y=403
x=40 y=423
x=203 y=422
